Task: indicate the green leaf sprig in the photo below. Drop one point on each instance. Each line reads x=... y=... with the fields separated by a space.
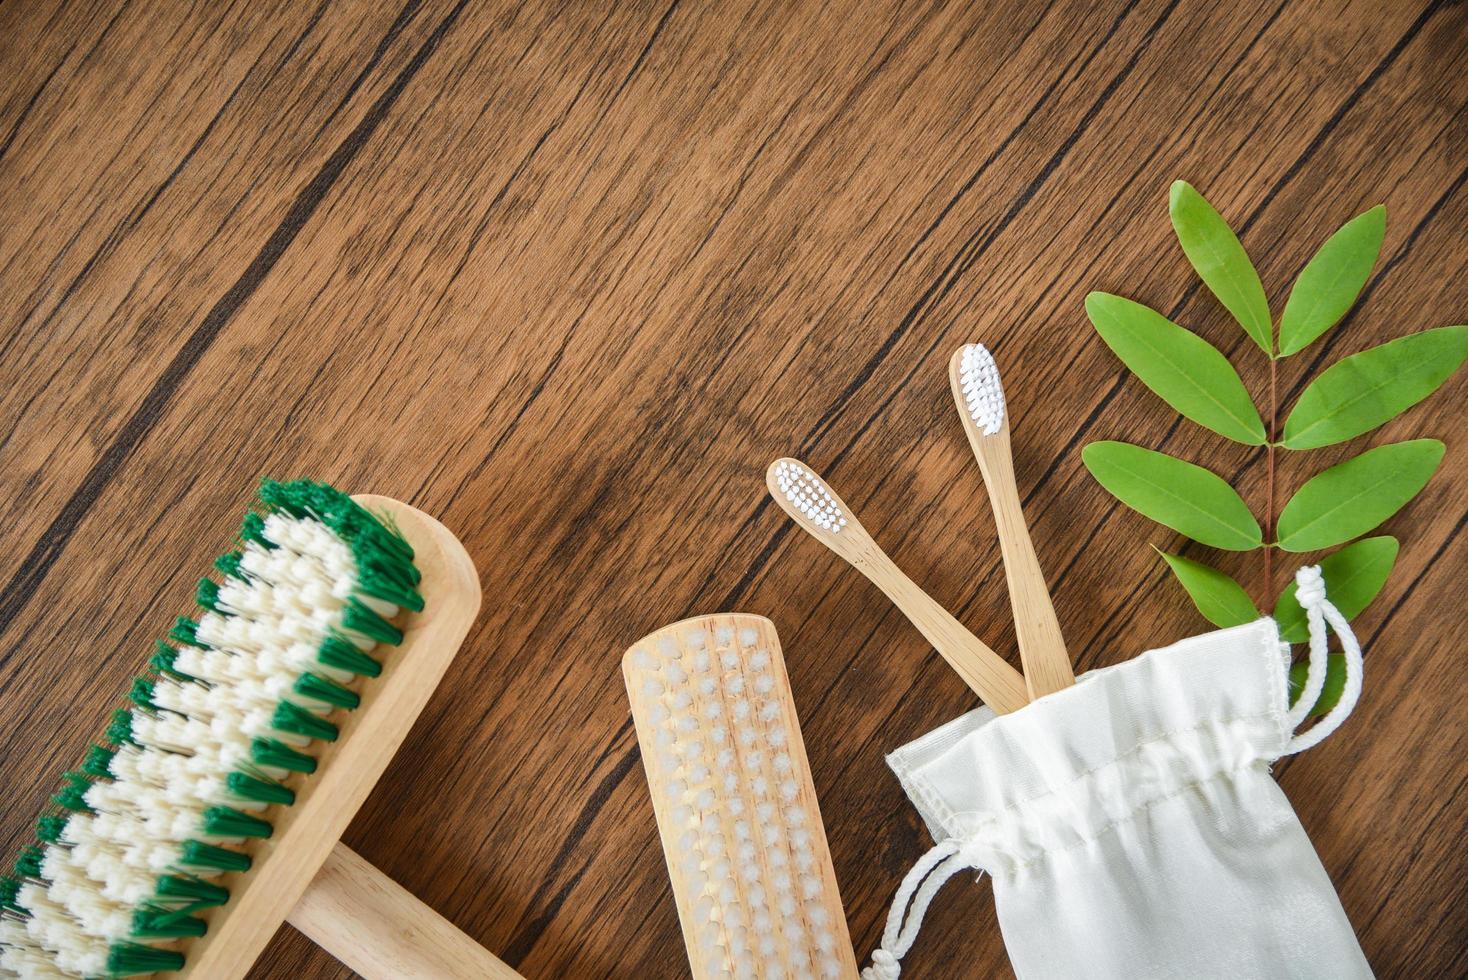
x=1348 y=399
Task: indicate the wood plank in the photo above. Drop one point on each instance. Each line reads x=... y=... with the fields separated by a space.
x=569 y=276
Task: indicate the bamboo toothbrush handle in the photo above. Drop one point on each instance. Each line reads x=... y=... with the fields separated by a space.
x=1041 y=645
x=378 y=929
x=983 y=670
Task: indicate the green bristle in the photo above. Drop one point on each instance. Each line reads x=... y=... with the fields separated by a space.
x=197 y=854
x=133 y=959
x=154 y=923
x=120 y=731
x=165 y=659
x=50 y=828
x=321 y=689
x=359 y=619
x=185 y=631
x=99 y=762
x=341 y=653
x=229 y=823
x=191 y=890
x=71 y=796
x=373 y=582
x=252 y=531
x=364 y=532
x=293 y=718
x=276 y=754
x=229 y=565
x=282 y=496
x=10 y=895
x=28 y=863
x=207 y=596
x=375 y=547
x=142 y=692
x=259 y=790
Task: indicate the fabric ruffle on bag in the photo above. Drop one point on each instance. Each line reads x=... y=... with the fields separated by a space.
x=1130 y=823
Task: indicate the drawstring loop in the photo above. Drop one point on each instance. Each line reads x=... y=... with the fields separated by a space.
x=920 y=887
x=1310 y=593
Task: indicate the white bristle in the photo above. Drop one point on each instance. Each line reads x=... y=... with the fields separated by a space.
x=741 y=848
x=982 y=393
x=807 y=494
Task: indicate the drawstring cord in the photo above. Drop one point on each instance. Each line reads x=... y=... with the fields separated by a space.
x=920 y=887
x=1310 y=593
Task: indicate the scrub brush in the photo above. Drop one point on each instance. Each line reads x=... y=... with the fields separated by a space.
x=824 y=516
x=735 y=805
x=200 y=817
x=974 y=378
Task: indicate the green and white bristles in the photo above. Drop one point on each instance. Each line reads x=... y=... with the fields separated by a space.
x=225 y=716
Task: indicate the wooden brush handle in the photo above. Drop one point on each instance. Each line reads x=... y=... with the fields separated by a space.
x=983 y=670
x=379 y=930
x=1041 y=645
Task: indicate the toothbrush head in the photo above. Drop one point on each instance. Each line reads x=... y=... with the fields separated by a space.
x=805 y=495
x=983 y=397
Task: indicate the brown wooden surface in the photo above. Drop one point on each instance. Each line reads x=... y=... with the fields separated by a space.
x=569 y=275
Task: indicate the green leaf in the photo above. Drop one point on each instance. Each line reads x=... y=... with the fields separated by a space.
x=1331 y=281
x=1218 y=597
x=1221 y=262
x=1183 y=369
x=1353 y=576
x=1352 y=498
x=1184 y=497
x=1335 y=683
x=1364 y=390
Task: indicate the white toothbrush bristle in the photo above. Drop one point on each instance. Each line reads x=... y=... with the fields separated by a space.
x=807 y=494
x=982 y=393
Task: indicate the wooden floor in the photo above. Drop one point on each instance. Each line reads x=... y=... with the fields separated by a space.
x=569 y=275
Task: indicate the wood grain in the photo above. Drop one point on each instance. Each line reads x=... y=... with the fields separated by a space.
x=567 y=276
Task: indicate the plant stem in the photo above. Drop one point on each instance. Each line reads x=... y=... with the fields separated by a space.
x=1269 y=482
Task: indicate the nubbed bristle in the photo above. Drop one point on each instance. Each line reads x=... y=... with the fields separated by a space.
x=984 y=396
x=809 y=495
x=220 y=726
x=741 y=832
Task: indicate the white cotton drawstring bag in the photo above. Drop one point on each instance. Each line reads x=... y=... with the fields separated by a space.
x=1130 y=823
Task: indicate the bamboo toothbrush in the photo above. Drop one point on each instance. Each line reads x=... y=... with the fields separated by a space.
x=980 y=399
x=735 y=805
x=201 y=818
x=820 y=512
